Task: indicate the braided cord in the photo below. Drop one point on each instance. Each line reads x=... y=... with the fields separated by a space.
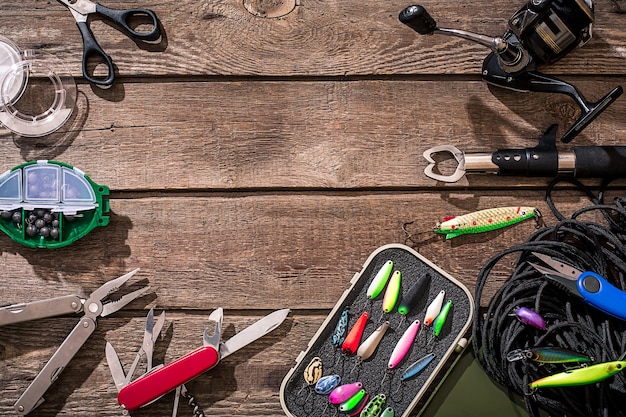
x=571 y=324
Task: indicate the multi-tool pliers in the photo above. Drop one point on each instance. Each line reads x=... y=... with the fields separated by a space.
x=97 y=304
x=592 y=288
x=159 y=380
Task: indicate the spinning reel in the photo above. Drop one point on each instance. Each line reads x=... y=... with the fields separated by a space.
x=541 y=32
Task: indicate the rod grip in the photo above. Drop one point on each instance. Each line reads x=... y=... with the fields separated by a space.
x=600 y=161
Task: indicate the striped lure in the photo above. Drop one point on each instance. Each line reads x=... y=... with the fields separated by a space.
x=484 y=220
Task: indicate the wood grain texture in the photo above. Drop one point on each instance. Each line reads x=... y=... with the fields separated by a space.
x=256 y=156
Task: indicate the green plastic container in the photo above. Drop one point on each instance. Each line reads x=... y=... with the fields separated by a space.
x=50 y=204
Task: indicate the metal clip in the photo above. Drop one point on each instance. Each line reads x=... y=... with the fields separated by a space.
x=518 y=354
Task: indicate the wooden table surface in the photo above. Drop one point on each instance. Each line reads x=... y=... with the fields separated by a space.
x=256 y=156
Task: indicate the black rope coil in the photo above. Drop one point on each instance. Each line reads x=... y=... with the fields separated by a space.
x=571 y=323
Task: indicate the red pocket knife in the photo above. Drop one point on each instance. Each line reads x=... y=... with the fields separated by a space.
x=166 y=378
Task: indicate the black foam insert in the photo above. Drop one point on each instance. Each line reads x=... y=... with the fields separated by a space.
x=301 y=400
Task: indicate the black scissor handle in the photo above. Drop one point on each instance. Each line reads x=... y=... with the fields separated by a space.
x=122 y=18
x=91 y=49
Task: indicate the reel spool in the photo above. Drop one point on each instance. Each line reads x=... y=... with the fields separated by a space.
x=540 y=33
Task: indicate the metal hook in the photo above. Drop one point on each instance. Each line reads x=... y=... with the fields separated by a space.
x=456 y=153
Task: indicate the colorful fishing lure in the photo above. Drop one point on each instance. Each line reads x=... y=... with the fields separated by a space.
x=484 y=220
x=313 y=371
x=530 y=317
x=547 y=355
x=412 y=296
x=352 y=402
x=388 y=412
x=580 y=376
x=375 y=407
x=368 y=347
x=340 y=330
x=441 y=318
x=344 y=392
x=327 y=383
x=434 y=308
x=403 y=345
x=356 y=411
x=417 y=366
x=380 y=280
x=393 y=292
x=353 y=339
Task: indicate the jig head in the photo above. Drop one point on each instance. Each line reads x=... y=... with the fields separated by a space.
x=351 y=343
x=380 y=280
x=530 y=317
x=344 y=392
x=547 y=355
x=434 y=308
x=327 y=383
x=581 y=376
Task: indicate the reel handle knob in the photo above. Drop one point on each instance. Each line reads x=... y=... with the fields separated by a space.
x=417 y=18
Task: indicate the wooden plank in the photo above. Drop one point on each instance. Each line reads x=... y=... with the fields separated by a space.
x=315 y=134
x=337 y=38
x=239 y=252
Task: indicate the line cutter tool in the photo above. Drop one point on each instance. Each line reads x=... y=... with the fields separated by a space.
x=97 y=304
x=163 y=379
x=543 y=160
x=592 y=288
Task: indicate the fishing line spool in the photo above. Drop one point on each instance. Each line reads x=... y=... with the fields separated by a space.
x=541 y=32
x=571 y=324
x=37 y=95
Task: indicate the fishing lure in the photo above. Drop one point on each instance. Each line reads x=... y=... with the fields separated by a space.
x=530 y=317
x=393 y=292
x=375 y=407
x=340 y=330
x=581 y=376
x=441 y=318
x=352 y=340
x=327 y=383
x=417 y=366
x=353 y=401
x=344 y=392
x=388 y=412
x=356 y=411
x=380 y=280
x=547 y=355
x=434 y=308
x=313 y=371
x=368 y=347
x=484 y=220
x=412 y=296
x=403 y=345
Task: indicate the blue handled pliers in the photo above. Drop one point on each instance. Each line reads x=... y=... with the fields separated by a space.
x=592 y=288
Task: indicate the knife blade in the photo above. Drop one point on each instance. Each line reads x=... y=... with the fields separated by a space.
x=115 y=366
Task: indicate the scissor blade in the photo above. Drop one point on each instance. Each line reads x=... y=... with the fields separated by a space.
x=115 y=366
x=83 y=7
x=253 y=332
x=558 y=268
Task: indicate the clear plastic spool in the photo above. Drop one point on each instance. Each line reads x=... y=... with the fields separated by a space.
x=35 y=99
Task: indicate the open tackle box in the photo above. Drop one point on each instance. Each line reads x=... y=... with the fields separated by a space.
x=299 y=399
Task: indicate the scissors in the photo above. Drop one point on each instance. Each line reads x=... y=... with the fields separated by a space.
x=81 y=9
x=592 y=288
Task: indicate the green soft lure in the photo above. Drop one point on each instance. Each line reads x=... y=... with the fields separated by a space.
x=380 y=280
x=484 y=220
x=441 y=318
x=393 y=292
x=580 y=376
